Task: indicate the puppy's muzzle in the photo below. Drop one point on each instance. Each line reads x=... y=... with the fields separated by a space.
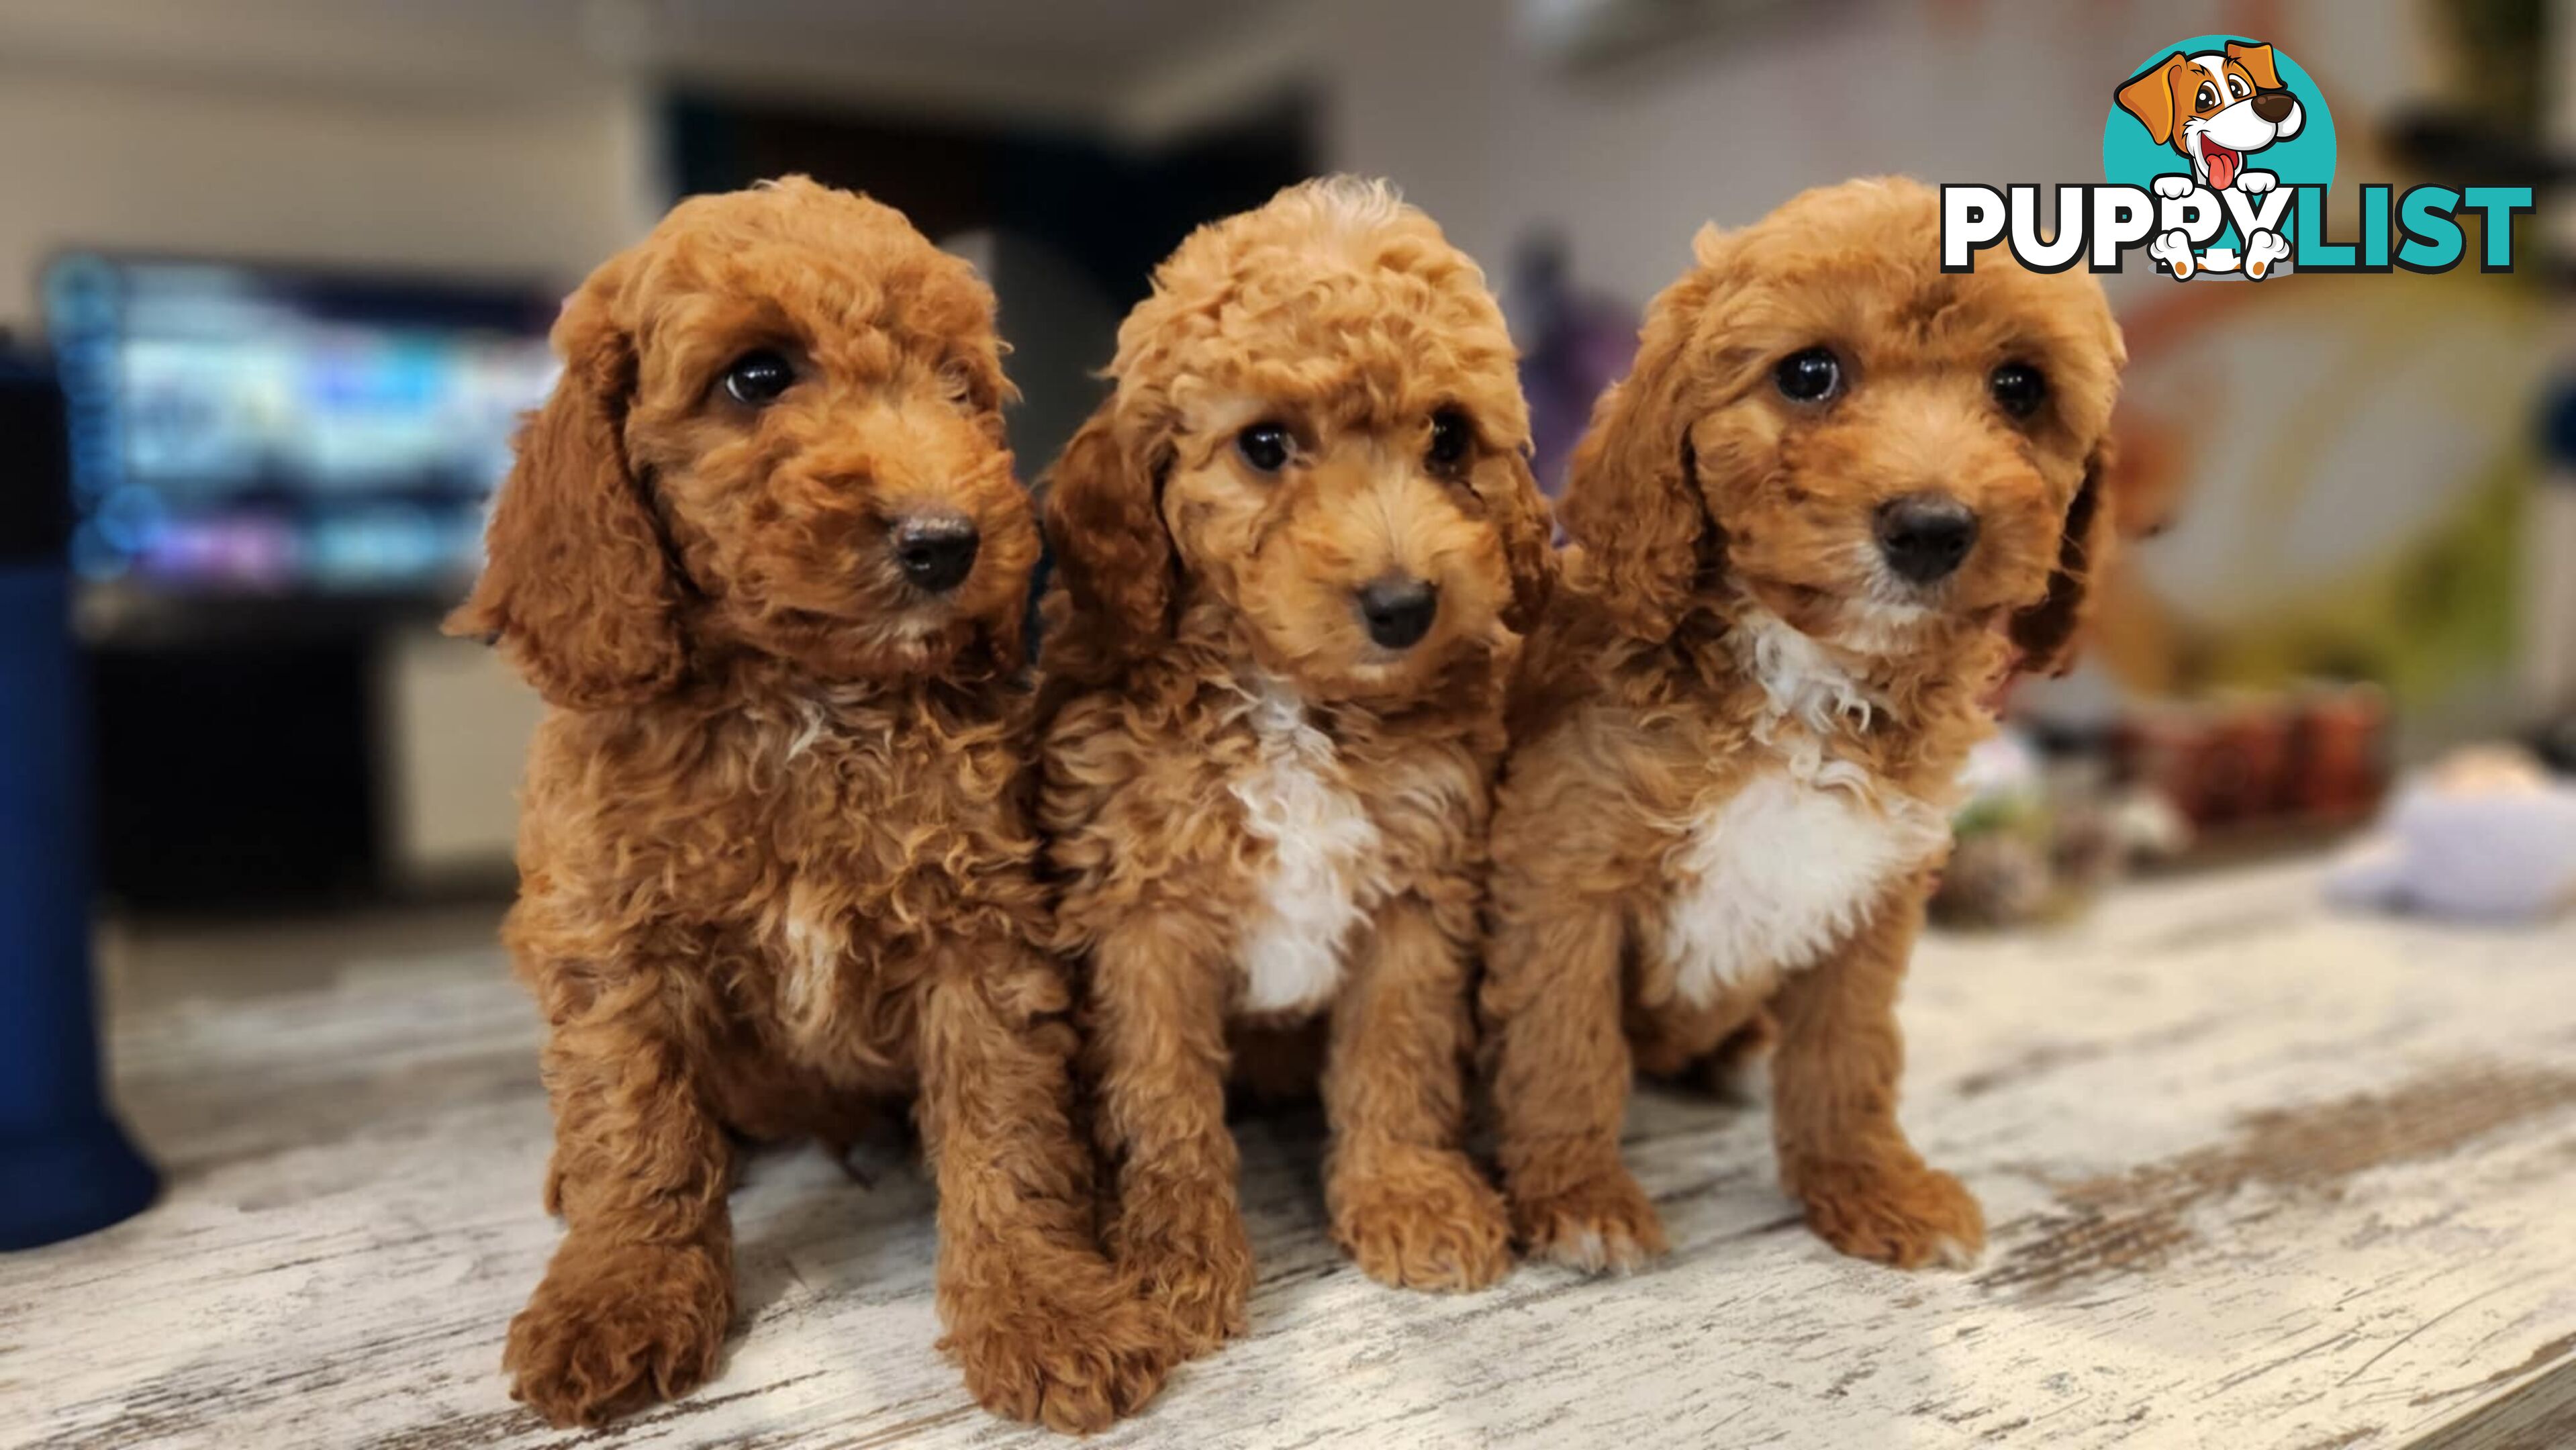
x=936 y=551
x=1398 y=609
x=1925 y=537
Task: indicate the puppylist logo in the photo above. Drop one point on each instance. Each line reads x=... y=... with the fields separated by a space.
x=2217 y=156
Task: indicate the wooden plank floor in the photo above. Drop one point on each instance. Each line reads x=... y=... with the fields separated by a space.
x=2260 y=1176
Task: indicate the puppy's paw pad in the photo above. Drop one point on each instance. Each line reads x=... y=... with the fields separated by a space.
x=1437 y=1226
x=612 y=1331
x=1601 y=1225
x=1909 y=1216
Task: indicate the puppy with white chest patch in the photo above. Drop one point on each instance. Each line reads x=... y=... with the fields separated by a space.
x=1294 y=547
x=1839 y=493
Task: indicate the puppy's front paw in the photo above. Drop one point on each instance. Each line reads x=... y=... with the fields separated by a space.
x=1426 y=1221
x=2255 y=183
x=2174 y=186
x=1602 y=1222
x=1196 y=1269
x=1070 y=1362
x=1903 y=1214
x=617 y=1327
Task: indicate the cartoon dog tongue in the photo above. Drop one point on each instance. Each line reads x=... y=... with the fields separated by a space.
x=2223 y=164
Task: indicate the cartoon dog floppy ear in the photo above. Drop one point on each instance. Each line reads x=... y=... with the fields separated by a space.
x=2158 y=102
x=2149 y=95
x=2257 y=60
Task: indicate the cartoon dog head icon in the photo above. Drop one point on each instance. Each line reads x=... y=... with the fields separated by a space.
x=2215 y=107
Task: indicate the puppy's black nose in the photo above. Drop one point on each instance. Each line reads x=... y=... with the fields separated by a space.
x=1927 y=536
x=2273 y=106
x=935 y=553
x=1399 y=609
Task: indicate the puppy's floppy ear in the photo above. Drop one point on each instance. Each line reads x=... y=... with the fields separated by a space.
x=576 y=587
x=1112 y=594
x=2046 y=633
x=1529 y=543
x=2257 y=60
x=1632 y=498
x=2150 y=98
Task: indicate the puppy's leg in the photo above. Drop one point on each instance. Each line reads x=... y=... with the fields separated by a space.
x=634 y=1307
x=1041 y=1325
x=1560 y=1081
x=1834 y=1080
x=1710 y=1048
x=1405 y=1200
x=1157 y=1044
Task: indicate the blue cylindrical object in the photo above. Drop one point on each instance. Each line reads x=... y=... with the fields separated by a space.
x=65 y=1166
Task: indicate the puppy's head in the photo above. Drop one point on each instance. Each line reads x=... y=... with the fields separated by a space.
x=2214 y=107
x=778 y=430
x=1873 y=449
x=1317 y=439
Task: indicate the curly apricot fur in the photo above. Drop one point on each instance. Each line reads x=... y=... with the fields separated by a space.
x=1203 y=615
x=776 y=868
x=1712 y=512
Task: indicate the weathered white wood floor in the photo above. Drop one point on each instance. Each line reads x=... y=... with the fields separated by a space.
x=2260 y=1177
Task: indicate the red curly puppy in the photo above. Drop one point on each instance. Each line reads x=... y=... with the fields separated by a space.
x=1839 y=490
x=1294 y=548
x=764 y=555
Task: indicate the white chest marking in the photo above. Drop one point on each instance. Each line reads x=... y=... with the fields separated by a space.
x=1320 y=843
x=1785 y=868
x=1777 y=873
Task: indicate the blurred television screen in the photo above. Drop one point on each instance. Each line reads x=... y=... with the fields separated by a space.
x=240 y=430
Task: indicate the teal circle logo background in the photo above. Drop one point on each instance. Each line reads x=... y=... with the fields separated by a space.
x=2131 y=157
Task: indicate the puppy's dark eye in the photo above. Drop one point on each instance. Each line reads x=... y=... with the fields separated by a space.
x=1809 y=377
x=2019 y=388
x=1265 y=446
x=1451 y=437
x=757 y=378
x=2207 y=98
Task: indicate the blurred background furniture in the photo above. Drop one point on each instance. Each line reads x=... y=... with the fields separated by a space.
x=279 y=477
x=65 y=1165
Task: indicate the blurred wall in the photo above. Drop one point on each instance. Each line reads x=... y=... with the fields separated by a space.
x=535 y=188
x=1626 y=160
